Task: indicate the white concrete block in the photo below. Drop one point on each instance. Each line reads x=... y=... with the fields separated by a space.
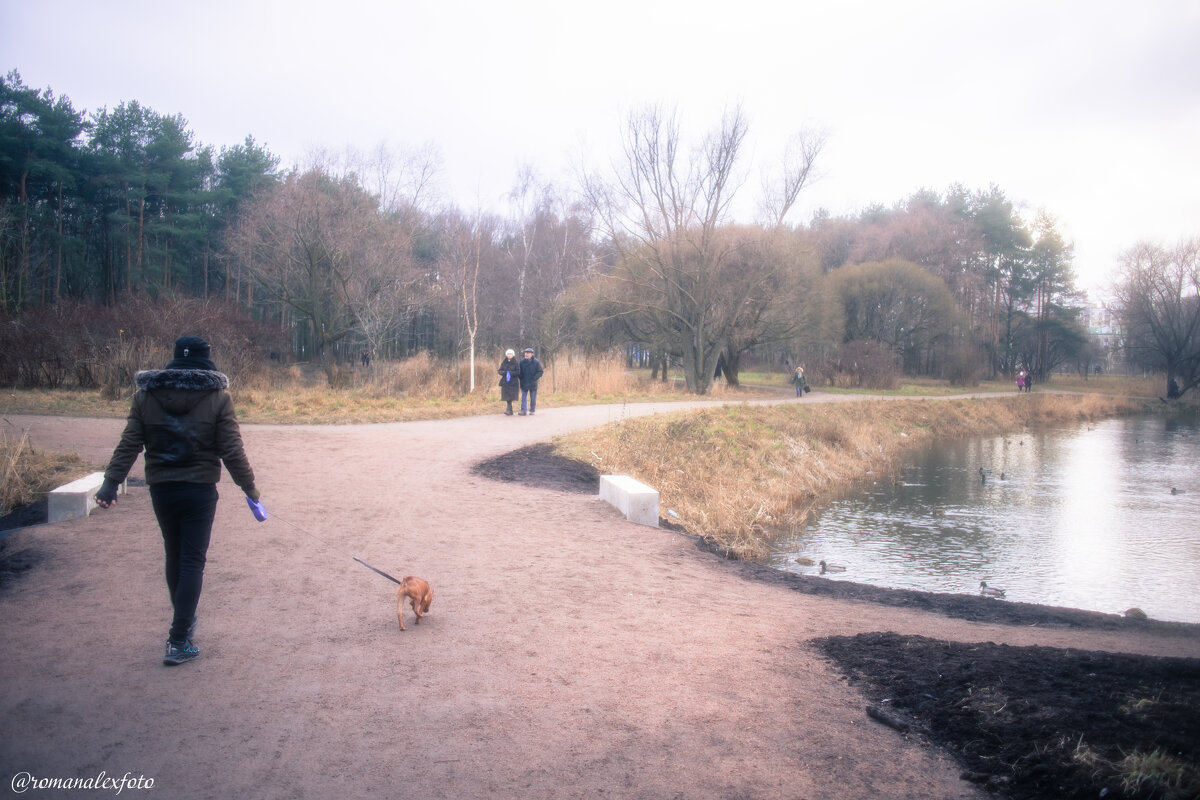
x=637 y=501
x=75 y=499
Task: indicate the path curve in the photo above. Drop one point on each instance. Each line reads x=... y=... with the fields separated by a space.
x=567 y=653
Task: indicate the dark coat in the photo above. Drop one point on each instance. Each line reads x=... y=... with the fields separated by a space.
x=184 y=420
x=531 y=371
x=510 y=376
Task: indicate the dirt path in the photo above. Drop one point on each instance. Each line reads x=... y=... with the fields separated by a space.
x=567 y=653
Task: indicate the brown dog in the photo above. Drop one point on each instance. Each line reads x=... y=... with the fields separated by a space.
x=419 y=593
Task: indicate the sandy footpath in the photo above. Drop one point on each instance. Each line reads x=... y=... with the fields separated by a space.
x=567 y=653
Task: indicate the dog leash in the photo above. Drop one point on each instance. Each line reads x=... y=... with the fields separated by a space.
x=261 y=515
x=381 y=572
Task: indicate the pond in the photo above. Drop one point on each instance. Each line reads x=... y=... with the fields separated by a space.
x=1102 y=516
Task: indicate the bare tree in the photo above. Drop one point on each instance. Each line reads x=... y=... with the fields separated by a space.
x=459 y=261
x=685 y=279
x=1159 y=295
x=661 y=211
x=799 y=160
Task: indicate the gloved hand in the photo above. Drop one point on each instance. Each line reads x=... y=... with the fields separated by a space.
x=253 y=493
x=107 y=495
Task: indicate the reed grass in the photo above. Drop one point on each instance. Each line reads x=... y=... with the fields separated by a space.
x=417 y=388
x=740 y=475
x=1159 y=774
x=28 y=475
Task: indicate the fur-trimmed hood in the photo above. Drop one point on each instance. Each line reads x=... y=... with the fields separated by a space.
x=184 y=421
x=193 y=380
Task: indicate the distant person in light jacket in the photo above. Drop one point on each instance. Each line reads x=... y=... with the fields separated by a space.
x=183 y=417
x=531 y=372
x=510 y=379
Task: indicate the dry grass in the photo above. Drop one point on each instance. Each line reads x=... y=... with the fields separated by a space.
x=29 y=475
x=1159 y=774
x=416 y=388
x=739 y=475
x=1121 y=385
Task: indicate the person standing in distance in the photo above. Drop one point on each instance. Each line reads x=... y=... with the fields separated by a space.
x=510 y=379
x=183 y=417
x=531 y=372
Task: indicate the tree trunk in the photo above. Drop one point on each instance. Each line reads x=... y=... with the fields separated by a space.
x=731 y=366
x=58 y=257
x=141 y=233
x=471 y=360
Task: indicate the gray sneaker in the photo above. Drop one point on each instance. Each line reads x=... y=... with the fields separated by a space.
x=179 y=652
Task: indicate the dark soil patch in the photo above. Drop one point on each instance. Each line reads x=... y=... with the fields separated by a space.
x=538 y=465
x=1037 y=722
x=24 y=516
x=15 y=563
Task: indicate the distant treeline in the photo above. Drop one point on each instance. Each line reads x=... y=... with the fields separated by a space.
x=123 y=208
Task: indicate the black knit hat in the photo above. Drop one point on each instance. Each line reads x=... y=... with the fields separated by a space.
x=191 y=352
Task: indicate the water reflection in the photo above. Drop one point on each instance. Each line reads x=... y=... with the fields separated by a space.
x=1082 y=517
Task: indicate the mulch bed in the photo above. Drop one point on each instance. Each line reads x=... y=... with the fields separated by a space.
x=24 y=516
x=538 y=465
x=1036 y=722
x=1026 y=722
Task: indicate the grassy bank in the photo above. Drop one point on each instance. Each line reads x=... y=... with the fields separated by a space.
x=736 y=475
x=28 y=474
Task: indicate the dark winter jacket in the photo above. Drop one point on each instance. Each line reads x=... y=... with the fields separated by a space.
x=531 y=370
x=510 y=375
x=184 y=420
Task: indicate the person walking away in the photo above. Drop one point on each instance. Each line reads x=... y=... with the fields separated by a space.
x=510 y=379
x=1021 y=381
x=1028 y=381
x=531 y=371
x=183 y=417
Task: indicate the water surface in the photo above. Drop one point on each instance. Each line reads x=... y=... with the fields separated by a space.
x=1083 y=517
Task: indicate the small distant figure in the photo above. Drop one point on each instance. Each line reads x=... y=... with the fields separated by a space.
x=530 y=373
x=1021 y=381
x=510 y=380
x=1029 y=382
x=1173 y=389
x=800 y=382
x=366 y=359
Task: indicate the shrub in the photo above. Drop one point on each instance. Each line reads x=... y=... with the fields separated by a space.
x=863 y=364
x=963 y=366
x=92 y=345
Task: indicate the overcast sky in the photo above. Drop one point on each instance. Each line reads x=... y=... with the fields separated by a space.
x=1089 y=109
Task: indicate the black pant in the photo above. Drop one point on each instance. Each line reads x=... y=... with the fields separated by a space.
x=185 y=514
